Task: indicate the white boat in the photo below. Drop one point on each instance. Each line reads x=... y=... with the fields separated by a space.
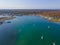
x=48 y=27
x=42 y=37
x=53 y=43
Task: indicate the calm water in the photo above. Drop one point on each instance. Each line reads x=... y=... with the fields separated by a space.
x=29 y=30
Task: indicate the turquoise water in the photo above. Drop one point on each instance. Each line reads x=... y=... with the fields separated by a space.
x=29 y=30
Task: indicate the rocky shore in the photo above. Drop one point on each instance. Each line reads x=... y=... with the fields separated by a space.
x=53 y=19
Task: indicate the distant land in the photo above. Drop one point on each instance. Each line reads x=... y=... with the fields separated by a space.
x=51 y=14
x=45 y=12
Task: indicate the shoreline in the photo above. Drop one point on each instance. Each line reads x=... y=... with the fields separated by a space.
x=46 y=17
x=51 y=19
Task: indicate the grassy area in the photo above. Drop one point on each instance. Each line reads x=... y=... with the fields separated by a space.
x=6 y=18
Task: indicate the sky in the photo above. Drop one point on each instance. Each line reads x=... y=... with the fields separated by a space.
x=29 y=4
